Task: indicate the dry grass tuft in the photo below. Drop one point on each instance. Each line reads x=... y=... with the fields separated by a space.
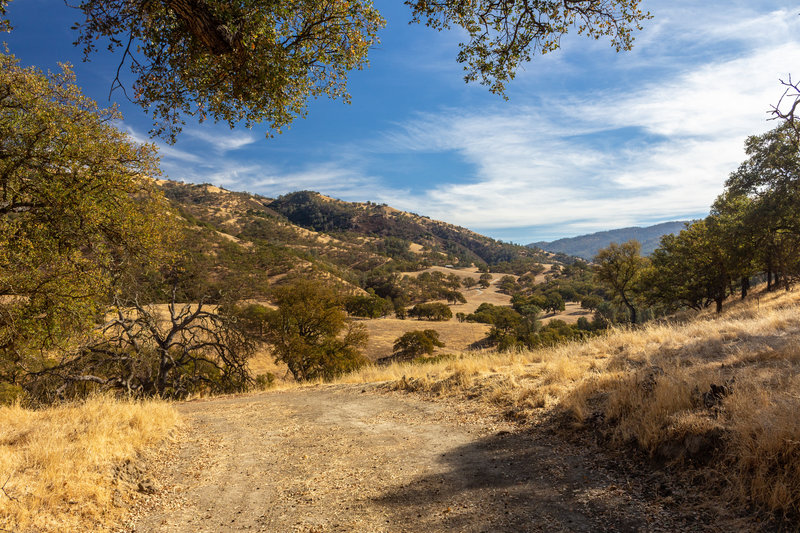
x=58 y=464
x=718 y=392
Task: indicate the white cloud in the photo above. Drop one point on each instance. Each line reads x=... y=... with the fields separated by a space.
x=641 y=152
x=166 y=151
x=222 y=140
x=546 y=165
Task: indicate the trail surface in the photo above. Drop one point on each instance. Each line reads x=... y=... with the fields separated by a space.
x=344 y=458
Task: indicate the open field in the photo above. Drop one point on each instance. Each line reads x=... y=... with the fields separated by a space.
x=457 y=336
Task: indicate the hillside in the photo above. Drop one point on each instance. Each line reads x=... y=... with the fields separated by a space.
x=252 y=241
x=587 y=246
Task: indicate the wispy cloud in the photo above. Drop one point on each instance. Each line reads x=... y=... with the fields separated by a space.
x=548 y=165
x=222 y=139
x=654 y=141
x=166 y=151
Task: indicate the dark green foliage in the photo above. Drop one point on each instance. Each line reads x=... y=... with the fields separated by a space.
x=434 y=311
x=305 y=209
x=591 y=302
x=396 y=248
x=553 y=303
x=513 y=330
x=620 y=266
x=454 y=297
x=518 y=266
x=469 y=282
x=417 y=342
x=368 y=306
x=309 y=331
x=507 y=285
x=487 y=313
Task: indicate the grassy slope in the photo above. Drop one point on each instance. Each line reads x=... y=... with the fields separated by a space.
x=651 y=388
x=58 y=464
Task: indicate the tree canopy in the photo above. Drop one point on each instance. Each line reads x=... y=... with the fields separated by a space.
x=77 y=208
x=505 y=34
x=309 y=331
x=261 y=60
x=619 y=267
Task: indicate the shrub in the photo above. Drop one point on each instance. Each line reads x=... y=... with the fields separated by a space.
x=415 y=343
x=435 y=311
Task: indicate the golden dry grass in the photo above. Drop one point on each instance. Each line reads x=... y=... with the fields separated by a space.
x=58 y=464
x=456 y=336
x=571 y=313
x=651 y=387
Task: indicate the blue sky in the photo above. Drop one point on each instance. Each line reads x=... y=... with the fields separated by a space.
x=588 y=139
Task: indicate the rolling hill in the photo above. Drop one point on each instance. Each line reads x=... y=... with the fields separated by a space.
x=250 y=241
x=587 y=246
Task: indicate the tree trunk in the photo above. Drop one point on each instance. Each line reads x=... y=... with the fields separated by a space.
x=745 y=286
x=719 y=302
x=631 y=308
x=769 y=273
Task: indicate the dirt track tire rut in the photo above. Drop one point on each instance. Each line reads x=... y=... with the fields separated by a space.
x=336 y=459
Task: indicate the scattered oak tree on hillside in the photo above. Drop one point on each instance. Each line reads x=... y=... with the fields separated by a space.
x=415 y=343
x=309 y=331
x=368 y=305
x=435 y=311
x=260 y=60
x=619 y=266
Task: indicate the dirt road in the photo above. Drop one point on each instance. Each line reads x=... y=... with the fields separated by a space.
x=338 y=459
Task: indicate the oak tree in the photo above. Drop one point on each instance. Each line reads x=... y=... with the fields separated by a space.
x=77 y=209
x=261 y=60
x=412 y=344
x=310 y=333
x=619 y=266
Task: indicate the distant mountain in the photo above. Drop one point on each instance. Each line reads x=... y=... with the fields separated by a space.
x=587 y=246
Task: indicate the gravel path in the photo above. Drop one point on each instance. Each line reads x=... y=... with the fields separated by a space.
x=344 y=458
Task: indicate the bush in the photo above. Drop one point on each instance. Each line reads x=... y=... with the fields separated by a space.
x=436 y=311
x=415 y=343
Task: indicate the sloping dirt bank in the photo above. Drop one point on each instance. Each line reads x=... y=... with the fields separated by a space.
x=349 y=458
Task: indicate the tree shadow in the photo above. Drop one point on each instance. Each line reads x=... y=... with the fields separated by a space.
x=519 y=482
